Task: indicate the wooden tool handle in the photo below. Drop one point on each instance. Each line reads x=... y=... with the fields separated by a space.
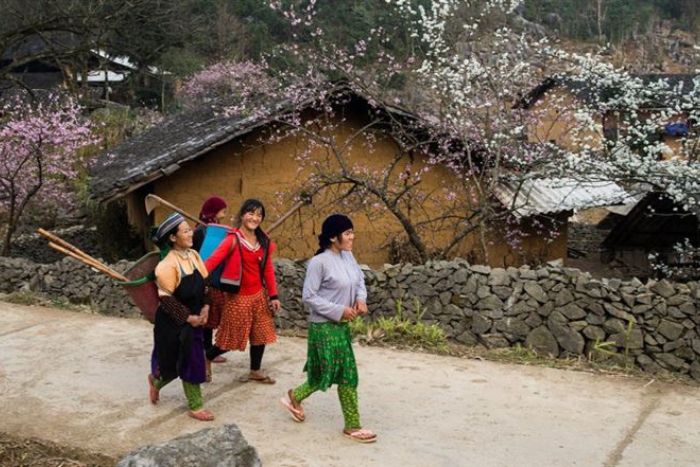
x=284 y=217
x=59 y=241
x=167 y=204
x=93 y=264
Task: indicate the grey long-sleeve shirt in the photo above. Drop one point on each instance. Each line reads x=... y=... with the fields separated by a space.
x=333 y=281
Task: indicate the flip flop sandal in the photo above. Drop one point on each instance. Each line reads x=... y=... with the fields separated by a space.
x=361 y=435
x=153 y=392
x=219 y=359
x=264 y=380
x=202 y=415
x=297 y=415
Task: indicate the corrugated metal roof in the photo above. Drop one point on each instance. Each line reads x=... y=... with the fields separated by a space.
x=126 y=62
x=100 y=76
x=548 y=195
x=624 y=209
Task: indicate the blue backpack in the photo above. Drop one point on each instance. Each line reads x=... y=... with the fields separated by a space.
x=213 y=236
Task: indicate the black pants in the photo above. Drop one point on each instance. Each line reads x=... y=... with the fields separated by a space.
x=208 y=339
x=256 y=354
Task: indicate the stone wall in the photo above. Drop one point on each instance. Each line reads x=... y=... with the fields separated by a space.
x=586 y=238
x=35 y=247
x=68 y=281
x=555 y=310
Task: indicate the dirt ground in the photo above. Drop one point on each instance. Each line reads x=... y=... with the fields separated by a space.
x=79 y=381
x=22 y=452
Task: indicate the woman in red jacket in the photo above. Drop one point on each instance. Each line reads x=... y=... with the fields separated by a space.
x=248 y=280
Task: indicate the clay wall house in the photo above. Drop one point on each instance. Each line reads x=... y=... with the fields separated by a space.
x=202 y=152
x=650 y=221
x=554 y=102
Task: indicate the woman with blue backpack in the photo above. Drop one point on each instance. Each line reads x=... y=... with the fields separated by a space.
x=213 y=212
x=247 y=279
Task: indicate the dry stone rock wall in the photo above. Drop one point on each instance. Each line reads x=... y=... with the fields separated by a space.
x=555 y=310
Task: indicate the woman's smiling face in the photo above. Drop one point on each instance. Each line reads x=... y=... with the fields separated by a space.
x=345 y=240
x=183 y=237
x=251 y=220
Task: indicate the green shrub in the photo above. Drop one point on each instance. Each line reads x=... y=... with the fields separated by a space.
x=400 y=330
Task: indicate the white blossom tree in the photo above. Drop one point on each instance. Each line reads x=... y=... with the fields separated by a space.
x=464 y=85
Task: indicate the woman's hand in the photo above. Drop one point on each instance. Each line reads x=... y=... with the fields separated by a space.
x=204 y=315
x=361 y=307
x=275 y=306
x=349 y=314
x=194 y=321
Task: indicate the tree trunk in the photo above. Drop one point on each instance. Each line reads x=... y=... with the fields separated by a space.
x=412 y=234
x=11 y=227
x=599 y=19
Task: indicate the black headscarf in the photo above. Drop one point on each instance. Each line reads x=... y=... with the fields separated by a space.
x=333 y=226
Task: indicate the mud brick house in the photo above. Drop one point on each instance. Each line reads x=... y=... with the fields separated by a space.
x=556 y=99
x=201 y=152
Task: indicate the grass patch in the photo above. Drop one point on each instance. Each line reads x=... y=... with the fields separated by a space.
x=401 y=330
x=27 y=298
x=22 y=297
x=521 y=355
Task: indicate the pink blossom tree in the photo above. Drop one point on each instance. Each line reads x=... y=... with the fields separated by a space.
x=39 y=160
x=227 y=80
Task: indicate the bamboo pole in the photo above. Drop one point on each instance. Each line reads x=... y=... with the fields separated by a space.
x=150 y=206
x=284 y=217
x=79 y=253
x=93 y=264
x=77 y=257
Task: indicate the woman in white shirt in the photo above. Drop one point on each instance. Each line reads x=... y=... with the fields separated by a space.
x=335 y=293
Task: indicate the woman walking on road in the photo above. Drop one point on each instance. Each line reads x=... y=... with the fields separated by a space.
x=248 y=282
x=335 y=293
x=178 y=338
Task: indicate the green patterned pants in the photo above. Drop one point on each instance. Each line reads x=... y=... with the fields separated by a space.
x=348 y=402
x=193 y=392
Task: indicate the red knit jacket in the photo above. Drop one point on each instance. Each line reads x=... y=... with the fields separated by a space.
x=233 y=270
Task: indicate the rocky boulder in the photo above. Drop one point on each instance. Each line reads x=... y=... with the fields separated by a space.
x=223 y=446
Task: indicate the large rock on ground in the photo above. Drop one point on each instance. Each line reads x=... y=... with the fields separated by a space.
x=224 y=446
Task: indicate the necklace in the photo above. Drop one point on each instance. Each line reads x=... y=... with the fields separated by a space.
x=182 y=254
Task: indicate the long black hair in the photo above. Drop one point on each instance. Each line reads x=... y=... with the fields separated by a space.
x=333 y=226
x=252 y=205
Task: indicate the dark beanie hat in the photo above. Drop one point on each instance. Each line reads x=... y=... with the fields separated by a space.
x=211 y=208
x=334 y=225
x=168 y=227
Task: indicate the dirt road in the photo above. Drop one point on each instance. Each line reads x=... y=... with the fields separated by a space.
x=80 y=380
